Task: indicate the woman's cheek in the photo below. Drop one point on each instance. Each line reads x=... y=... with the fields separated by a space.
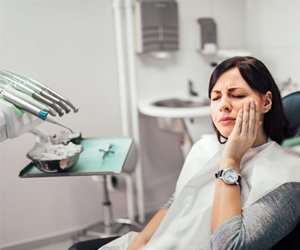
x=237 y=105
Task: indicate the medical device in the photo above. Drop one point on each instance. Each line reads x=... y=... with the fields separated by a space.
x=25 y=89
x=27 y=98
x=45 y=91
x=23 y=106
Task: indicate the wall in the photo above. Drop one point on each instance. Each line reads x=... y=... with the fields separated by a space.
x=171 y=75
x=272 y=35
x=70 y=46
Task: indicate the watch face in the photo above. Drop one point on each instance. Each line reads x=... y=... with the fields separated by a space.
x=230 y=176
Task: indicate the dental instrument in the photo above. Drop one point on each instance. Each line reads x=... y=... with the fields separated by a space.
x=27 y=98
x=44 y=90
x=25 y=89
x=36 y=89
x=30 y=108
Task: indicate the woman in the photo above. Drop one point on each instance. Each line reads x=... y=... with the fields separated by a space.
x=241 y=191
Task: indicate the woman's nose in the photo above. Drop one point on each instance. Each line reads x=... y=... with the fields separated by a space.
x=225 y=104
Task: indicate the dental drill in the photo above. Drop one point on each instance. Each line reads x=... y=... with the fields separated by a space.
x=9 y=97
x=27 y=98
x=43 y=90
x=35 y=88
x=25 y=89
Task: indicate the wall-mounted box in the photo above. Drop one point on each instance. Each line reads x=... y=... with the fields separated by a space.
x=208 y=35
x=157 y=26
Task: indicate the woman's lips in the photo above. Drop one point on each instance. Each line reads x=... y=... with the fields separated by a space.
x=226 y=120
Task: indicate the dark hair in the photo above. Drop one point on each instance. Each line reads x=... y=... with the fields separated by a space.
x=258 y=77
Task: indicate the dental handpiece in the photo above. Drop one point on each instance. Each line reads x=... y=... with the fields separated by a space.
x=30 y=108
x=27 y=98
x=30 y=92
x=45 y=89
x=35 y=88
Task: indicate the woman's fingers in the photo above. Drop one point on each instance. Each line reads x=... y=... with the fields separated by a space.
x=238 y=123
x=257 y=121
x=250 y=119
x=246 y=113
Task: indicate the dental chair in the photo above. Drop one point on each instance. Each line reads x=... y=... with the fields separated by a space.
x=291 y=105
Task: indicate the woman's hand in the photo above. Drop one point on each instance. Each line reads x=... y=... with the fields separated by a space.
x=243 y=134
x=137 y=243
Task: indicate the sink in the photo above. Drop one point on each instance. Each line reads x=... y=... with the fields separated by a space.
x=180 y=103
x=170 y=112
x=175 y=107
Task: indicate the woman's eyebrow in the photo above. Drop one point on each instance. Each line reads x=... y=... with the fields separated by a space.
x=236 y=88
x=229 y=90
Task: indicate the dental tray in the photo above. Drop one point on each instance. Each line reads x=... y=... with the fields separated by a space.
x=91 y=160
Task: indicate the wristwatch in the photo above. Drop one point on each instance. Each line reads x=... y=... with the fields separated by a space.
x=229 y=176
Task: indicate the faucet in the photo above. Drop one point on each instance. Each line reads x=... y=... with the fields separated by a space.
x=192 y=92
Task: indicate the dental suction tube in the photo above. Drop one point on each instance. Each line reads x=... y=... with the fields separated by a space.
x=17 y=85
x=29 y=108
x=44 y=90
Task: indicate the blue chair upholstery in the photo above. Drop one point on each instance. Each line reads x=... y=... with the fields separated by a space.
x=291 y=106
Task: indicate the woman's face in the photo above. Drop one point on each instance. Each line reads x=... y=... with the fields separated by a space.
x=227 y=98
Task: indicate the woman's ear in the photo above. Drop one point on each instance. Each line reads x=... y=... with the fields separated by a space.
x=267 y=100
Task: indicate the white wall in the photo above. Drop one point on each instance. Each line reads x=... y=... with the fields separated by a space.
x=273 y=36
x=171 y=75
x=70 y=46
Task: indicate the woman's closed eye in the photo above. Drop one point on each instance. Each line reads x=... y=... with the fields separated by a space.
x=238 y=96
x=215 y=98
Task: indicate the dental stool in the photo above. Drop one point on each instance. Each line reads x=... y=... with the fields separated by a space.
x=111 y=227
